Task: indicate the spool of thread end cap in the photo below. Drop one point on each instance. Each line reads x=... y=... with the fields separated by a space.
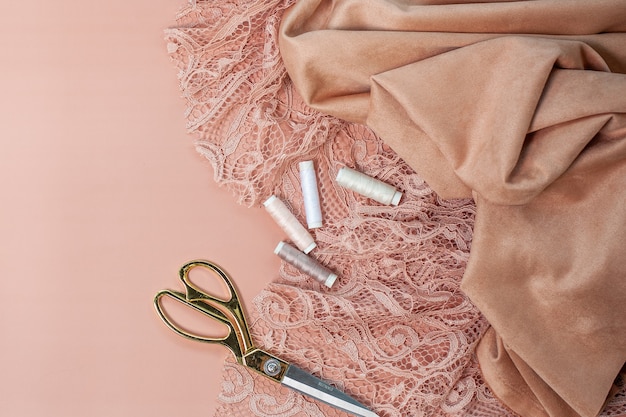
x=309 y=248
x=396 y=198
x=330 y=280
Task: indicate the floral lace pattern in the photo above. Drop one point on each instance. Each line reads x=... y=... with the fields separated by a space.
x=394 y=332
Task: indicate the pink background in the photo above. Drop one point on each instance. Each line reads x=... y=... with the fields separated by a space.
x=103 y=198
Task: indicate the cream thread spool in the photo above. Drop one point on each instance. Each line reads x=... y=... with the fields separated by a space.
x=305 y=264
x=290 y=224
x=310 y=194
x=368 y=186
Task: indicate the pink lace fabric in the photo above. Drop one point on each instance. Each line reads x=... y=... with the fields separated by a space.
x=395 y=332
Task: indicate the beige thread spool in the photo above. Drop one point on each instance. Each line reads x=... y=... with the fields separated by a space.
x=310 y=194
x=305 y=264
x=368 y=186
x=290 y=224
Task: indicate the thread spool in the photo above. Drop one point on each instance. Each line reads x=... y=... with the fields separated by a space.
x=290 y=224
x=368 y=186
x=305 y=264
x=310 y=194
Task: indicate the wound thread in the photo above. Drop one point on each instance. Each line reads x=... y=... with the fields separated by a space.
x=310 y=194
x=305 y=264
x=368 y=186
x=290 y=224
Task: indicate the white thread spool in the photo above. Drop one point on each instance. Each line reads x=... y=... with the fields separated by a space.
x=310 y=193
x=305 y=264
x=368 y=186
x=290 y=224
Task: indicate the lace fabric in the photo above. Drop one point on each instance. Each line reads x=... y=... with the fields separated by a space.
x=395 y=331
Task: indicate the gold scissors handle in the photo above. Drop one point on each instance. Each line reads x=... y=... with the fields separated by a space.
x=238 y=339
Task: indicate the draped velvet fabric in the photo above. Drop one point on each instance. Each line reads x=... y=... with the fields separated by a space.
x=522 y=106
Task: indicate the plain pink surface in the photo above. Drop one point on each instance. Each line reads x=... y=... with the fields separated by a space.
x=103 y=199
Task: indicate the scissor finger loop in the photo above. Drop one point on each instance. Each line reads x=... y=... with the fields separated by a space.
x=231 y=340
x=194 y=292
x=231 y=304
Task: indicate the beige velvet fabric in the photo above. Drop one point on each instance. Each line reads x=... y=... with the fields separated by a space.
x=521 y=105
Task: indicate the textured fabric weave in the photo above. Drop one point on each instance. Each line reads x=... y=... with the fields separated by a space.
x=395 y=331
x=522 y=106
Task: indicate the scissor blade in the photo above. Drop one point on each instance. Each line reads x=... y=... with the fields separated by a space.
x=312 y=386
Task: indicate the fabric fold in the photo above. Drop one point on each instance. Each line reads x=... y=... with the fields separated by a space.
x=521 y=105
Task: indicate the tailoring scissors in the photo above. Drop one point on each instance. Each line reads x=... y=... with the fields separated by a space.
x=229 y=311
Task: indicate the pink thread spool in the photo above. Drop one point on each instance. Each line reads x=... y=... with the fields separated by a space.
x=305 y=264
x=290 y=224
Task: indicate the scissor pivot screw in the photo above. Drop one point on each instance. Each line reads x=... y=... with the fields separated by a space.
x=271 y=367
